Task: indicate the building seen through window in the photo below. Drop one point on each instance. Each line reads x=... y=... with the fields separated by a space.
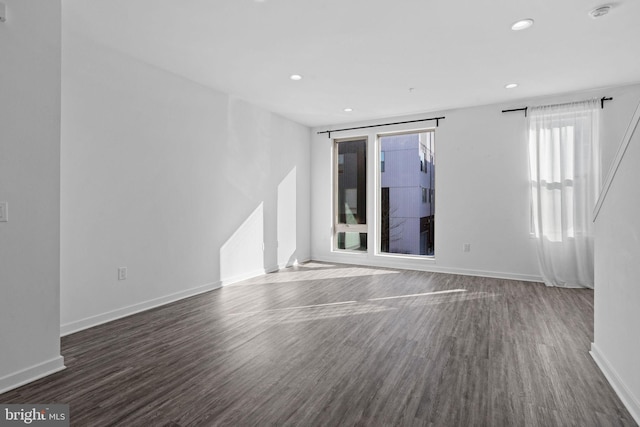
x=407 y=183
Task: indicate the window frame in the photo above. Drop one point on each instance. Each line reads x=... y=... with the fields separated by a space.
x=342 y=227
x=377 y=181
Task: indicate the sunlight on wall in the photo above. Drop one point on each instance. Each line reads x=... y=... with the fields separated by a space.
x=241 y=256
x=287 y=236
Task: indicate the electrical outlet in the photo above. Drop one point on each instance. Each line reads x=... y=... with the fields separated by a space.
x=4 y=212
x=122 y=273
x=466 y=247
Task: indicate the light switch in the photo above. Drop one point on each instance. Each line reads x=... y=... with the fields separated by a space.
x=4 y=212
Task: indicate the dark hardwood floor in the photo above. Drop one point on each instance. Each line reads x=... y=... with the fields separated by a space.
x=338 y=345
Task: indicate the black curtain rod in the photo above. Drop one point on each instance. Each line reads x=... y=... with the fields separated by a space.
x=604 y=98
x=517 y=109
x=437 y=119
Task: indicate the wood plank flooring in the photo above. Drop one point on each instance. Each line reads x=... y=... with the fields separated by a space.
x=336 y=345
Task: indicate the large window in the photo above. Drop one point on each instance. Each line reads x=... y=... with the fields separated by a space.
x=350 y=194
x=407 y=182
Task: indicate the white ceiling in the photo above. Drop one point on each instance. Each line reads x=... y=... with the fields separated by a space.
x=367 y=54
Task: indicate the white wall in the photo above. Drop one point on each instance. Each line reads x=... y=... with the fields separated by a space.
x=616 y=345
x=482 y=192
x=176 y=181
x=30 y=183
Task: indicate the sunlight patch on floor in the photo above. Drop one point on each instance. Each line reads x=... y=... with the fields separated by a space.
x=286 y=276
x=295 y=308
x=419 y=295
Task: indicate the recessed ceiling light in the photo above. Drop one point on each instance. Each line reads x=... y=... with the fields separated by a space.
x=511 y=85
x=295 y=77
x=600 y=11
x=348 y=110
x=522 y=24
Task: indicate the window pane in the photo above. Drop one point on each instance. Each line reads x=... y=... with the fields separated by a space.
x=352 y=241
x=407 y=205
x=352 y=182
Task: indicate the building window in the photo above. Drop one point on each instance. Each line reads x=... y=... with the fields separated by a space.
x=382 y=161
x=406 y=224
x=350 y=194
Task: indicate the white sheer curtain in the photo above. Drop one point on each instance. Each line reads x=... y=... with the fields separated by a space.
x=565 y=177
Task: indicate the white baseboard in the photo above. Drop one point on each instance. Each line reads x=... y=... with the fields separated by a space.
x=295 y=262
x=257 y=273
x=630 y=401
x=32 y=373
x=272 y=269
x=246 y=276
x=89 y=322
x=422 y=265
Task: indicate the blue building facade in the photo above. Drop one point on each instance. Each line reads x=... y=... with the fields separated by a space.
x=407 y=193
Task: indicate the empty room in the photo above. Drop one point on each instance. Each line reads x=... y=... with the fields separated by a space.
x=336 y=213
